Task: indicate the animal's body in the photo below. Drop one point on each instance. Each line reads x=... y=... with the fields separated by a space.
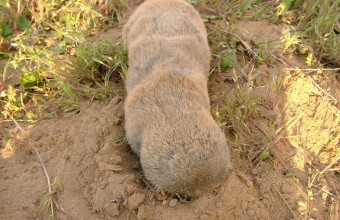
x=167 y=110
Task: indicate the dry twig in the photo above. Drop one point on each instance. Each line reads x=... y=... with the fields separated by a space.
x=285 y=202
x=42 y=165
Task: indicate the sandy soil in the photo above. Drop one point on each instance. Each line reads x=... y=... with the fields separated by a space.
x=102 y=179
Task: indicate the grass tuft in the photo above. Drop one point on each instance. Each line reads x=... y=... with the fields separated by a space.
x=317 y=30
x=46 y=207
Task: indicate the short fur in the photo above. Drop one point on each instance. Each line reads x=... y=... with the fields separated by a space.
x=167 y=111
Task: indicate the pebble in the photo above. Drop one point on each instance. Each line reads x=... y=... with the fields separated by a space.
x=105 y=131
x=95 y=148
x=244 y=205
x=261 y=197
x=120 y=200
x=120 y=115
x=173 y=203
x=135 y=200
x=210 y=196
x=219 y=204
x=251 y=212
x=288 y=189
x=164 y=202
x=161 y=196
x=103 y=184
x=115 y=159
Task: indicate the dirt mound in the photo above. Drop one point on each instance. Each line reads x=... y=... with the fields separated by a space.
x=101 y=177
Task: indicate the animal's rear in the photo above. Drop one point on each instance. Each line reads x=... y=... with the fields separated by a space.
x=167 y=114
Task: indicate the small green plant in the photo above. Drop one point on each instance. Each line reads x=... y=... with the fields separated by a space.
x=243 y=106
x=121 y=139
x=102 y=90
x=291 y=40
x=317 y=28
x=265 y=154
x=23 y=23
x=289 y=175
x=69 y=99
x=13 y=103
x=46 y=207
x=47 y=44
x=234 y=10
x=94 y=60
x=265 y=52
x=227 y=60
x=31 y=80
x=96 y=67
x=5 y=140
x=258 y=15
x=5 y=31
x=284 y=6
x=97 y=60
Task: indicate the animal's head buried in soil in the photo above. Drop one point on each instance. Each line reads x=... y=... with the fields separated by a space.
x=167 y=114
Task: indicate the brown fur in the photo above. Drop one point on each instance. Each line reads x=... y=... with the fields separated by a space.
x=167 y=111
